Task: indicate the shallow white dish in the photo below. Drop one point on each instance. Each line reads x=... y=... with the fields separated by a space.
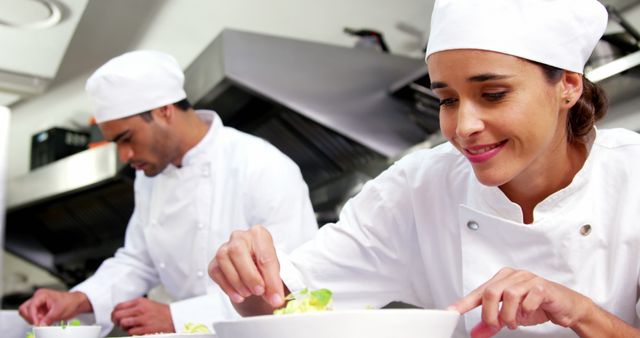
x=175 y=335
x=389 y=323
x=83 y=331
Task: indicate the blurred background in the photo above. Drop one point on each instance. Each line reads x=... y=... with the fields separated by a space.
x=339 y=86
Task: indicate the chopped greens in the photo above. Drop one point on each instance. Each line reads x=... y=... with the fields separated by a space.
x=195 y=328
x=63 y=325
x=306 y=301
x=73 y=322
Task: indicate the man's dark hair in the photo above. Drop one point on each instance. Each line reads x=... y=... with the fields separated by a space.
x=183 y=105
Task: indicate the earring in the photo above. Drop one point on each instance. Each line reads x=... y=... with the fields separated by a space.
x=567 y=100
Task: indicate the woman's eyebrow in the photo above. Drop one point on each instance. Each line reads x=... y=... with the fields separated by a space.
x=488 y=77
x=475 y=78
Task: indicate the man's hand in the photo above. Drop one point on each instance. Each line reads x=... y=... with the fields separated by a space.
x=143 y=316
x=49 y=306
x=515 y=298
x=247 y=268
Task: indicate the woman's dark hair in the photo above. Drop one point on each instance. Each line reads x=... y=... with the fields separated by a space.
x=590 y=107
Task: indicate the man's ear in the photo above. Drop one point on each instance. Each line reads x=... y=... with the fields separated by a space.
x=165 y=113
x=571 y=87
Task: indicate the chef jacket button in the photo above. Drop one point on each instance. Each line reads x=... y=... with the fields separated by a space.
x=473 y=225
x=200 y=226
x=154 y=223
x=200 y=273
x=205 y=171
x=585 y=230
x=162 y=265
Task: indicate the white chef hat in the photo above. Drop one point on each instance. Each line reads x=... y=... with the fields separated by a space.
x=133 y=83
x=559 y=33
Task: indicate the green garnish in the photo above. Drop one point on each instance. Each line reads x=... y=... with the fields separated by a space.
x=306 y=301
x=30 y=335
x=195 y=328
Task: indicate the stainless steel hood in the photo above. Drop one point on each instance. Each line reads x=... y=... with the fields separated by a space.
x=343 y=89
x=68 y=216
x=331 y=109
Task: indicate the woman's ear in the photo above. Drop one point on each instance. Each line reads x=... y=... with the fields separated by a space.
x=571 y=87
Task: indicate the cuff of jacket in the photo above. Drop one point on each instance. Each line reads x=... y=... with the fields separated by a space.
x=101 y=306
x=289 y=274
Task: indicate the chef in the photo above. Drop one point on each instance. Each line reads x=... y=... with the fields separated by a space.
x=525 y=221
x=196 y=182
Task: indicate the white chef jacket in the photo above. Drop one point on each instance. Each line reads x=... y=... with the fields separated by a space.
x=427 y=232
x=228 y=181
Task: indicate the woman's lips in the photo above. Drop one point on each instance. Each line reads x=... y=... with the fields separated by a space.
x=482 y=153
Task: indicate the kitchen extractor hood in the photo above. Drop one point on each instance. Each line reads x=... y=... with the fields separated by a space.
x=329 y=108
x=68 y=216
x=34 y=37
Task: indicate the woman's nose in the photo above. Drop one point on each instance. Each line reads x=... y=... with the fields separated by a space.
x=469 y=121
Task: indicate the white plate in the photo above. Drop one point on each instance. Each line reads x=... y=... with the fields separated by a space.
x=82 y=331
x=389 y=323
x=176 y=335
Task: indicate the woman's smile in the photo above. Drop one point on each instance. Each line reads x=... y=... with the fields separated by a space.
x=484 y=152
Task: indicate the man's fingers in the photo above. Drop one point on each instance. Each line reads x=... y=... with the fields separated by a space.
x=130 y=322
x=267 y=262
x=24 y=311
x=118 y=315
x=127 y=304
x=51 y=315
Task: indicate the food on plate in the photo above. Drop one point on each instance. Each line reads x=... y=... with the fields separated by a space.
x=306 y=301
x=195 y=328
x=63 y=324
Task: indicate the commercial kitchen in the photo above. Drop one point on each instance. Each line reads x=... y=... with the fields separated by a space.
x=341 y=88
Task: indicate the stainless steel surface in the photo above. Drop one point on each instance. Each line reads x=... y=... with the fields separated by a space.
x=337 y=87
x=4 y=139
x=69 y=215
x=614 y=67
x=81 y=170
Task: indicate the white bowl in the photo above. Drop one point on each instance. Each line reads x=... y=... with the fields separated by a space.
x=389 y=323
x=83 y=331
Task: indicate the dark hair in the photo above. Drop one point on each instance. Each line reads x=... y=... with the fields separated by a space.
x=183 y=105
x=590 y=107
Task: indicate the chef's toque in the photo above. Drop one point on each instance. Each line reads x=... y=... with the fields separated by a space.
x=559 y=33
x=133 y=83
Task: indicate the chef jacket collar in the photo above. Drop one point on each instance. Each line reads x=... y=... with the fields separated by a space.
x=493 y=201
x=199 y=153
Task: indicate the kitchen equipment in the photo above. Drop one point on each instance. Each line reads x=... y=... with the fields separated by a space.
x=388 y=323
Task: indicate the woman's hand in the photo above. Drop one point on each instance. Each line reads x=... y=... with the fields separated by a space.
x=247 y=266
x=526 y=300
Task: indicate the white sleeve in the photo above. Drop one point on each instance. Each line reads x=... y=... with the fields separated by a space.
x=279 y=200
x=366 y=257
x=127 y=275
x=205 y=309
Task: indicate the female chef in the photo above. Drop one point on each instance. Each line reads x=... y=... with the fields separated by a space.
x=525 y=220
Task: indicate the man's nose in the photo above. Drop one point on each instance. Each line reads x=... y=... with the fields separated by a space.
x=125 y=153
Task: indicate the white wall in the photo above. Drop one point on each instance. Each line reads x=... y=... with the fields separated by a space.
x=4 y=130
x=184 y=28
